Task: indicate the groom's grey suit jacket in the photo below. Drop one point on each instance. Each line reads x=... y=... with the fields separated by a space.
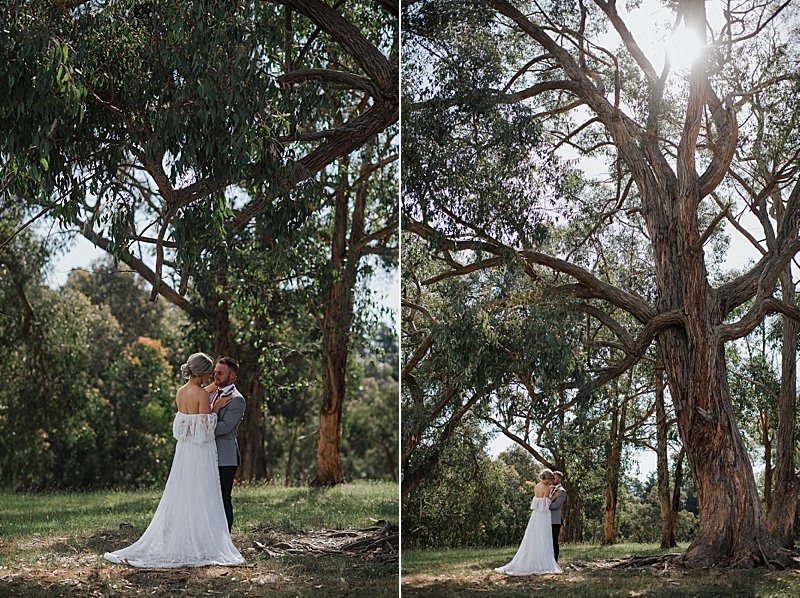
x=555 y=507
x=228 y=420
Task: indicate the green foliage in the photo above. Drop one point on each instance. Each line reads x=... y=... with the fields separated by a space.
x=125 y=298
x=157 y=77
x=470 y=159
x=178 y=115
x=490 y=331
x=79 y=411
x=140 y=390
x=465 y=499
x=371 y=424
x=639 y=518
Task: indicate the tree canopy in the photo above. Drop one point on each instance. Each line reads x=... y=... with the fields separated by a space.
x=529 y=94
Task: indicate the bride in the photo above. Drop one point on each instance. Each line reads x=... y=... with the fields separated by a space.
x=535 y=554
x=189 y=528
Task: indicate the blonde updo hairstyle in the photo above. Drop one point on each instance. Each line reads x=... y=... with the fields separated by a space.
x=546 y=474
x=198 y=364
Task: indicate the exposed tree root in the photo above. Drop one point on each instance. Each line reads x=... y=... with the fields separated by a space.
x=380 y=543
x=678 y=561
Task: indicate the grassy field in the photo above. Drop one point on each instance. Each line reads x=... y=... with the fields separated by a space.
x=51 y=544
x=469 y=572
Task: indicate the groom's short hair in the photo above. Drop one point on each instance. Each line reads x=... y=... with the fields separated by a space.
x=559 y=474
x=231 y=363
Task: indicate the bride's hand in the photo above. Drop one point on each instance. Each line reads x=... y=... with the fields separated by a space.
x=222 y=402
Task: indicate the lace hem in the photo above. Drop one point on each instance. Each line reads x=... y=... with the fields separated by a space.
x=203 y=561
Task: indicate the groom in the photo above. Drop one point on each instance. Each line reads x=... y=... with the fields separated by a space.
x=555 y=508
x=228 y=419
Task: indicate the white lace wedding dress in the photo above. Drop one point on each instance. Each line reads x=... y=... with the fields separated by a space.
x=535 y=554
x=189 y=528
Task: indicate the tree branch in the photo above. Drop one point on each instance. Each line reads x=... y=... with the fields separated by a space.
x=631 y=303
x=143 y=270
x=342 y=78
x=754 y=316
x=351 y=39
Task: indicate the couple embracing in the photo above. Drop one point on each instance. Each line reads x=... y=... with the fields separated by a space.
x=192 y=524
x=538 y=552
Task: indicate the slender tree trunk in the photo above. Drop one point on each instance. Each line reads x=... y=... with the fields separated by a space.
x=287 y=481
x=296 y=427
x=572 y=530
x=763 y=417
x=780 y=519
x=334 y=374
x=612 y=472
x=252 y=435
x=676 y=493
x=667 y=529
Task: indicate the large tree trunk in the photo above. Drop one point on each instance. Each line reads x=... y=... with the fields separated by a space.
x=336 y=322
x=732 y=527
x=329 y=459
x=780 y=519
x=662 y=428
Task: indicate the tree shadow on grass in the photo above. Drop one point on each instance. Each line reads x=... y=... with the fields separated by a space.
x=586 y=583
x=53 y=520
x=100 y=542
x=276 y=578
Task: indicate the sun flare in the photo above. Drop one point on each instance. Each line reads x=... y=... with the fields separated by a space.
x=684 y=47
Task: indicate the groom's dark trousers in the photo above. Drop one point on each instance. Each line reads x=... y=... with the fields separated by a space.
x=556 y=531
x=226 y=475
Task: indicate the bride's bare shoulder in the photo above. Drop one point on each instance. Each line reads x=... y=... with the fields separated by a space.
x=197 y=391
x=190 y=397
x=540 y=490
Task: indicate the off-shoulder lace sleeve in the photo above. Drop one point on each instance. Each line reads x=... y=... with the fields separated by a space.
x=540 y=503
x=195 y=428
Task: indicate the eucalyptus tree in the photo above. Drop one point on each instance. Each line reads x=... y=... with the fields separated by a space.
x=362 y=224
x=173 y=128
x=670 y=134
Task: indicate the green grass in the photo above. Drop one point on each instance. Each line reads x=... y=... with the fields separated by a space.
x=470 y=572
x=51 y=544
